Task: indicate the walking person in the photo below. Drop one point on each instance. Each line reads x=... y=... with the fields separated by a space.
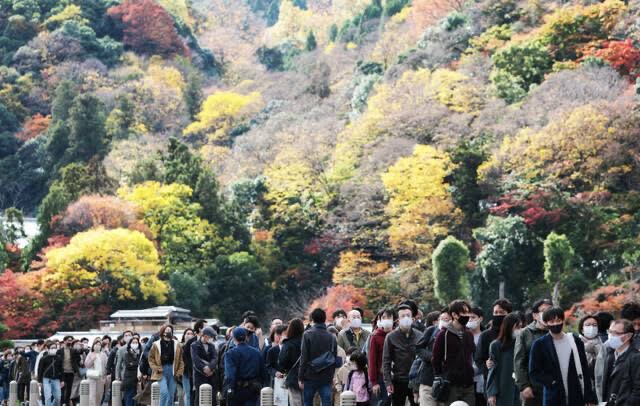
x=424 y=350
x=354 y=335
x=167 y=364
x=204 y=360
x=358 y=380
x=289 y=360
x=96 y=364
x=21 y=373
x=244 y=371
x=130 y=363
x=49 y=374
x=501 y=388
x=384 y=325
x=588 y=328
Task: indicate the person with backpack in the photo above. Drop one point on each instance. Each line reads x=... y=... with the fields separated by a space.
x=96 y=364
x=130 y=364
x=383 y=326
x=204 y=360
x=49 y=374
x=358 y=380
x=289 y=360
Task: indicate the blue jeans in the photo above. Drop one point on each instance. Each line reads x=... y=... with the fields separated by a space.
x=167 y=386
x=186 y=385
x=52 y=392
x=129 y=394
x=310 y=389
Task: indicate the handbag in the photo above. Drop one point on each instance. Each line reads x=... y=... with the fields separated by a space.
x=284 y=383
x=93 y=374
x=440 y=387
x=324 y=361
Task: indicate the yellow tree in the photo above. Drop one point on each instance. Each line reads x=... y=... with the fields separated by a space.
x=124 y=264
x=420 y=207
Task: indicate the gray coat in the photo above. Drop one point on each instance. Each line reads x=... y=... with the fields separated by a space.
x=521 y=357
x=398 y=355
x=500 y=381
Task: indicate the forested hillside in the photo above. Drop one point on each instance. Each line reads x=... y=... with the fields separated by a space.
x=225 y=155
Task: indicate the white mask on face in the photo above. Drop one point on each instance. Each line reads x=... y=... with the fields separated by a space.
x=386 y=324
x=405 y=323
x=473 y=324
x=338 y=321
x=590 y=331
x=356 y=323
x=615 y=342
x=443 y=324
x=134 y=346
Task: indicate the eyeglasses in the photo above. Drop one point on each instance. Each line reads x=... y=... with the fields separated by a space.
x=616 y=333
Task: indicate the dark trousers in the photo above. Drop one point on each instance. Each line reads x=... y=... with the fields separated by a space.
x=68 y=385
x=401 y=393
x=22 y=388
x=201 y=380
x=480 y=399
x=244 y=397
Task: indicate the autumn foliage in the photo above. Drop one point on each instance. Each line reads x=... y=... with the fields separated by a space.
x=148 y=28
x=343 y=297
x=623 y=56
x=33 y=127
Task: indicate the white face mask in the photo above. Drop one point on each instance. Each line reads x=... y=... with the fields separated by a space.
x=405 y=323
x=134 y=346
x=338 y=321
x=356 y=323
x=443 y=324
x=386 y=324
x=615 y=342
x=590 y=331
x=473 y=324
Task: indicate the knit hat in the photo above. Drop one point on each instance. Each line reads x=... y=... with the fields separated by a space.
x=208 y=331
x=240 y=334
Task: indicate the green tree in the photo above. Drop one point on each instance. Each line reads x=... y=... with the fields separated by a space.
x=450 y=260
x=192 y=93
x=558 y=262
x=58 y=132
x=312 y=43
x=463 y=180
x=87 y=137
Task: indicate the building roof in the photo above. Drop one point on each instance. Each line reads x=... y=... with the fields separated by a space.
x=154 y=312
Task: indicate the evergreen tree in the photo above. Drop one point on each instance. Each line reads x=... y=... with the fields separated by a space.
x=87 y=137
x=312 y=44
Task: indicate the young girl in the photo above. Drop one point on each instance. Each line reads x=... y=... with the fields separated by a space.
x=358 y=381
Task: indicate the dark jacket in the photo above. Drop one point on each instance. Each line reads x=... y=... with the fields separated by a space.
x=271 y=362
x=5 y=371
x=398 y=355
x=458 y=366
x=111 y=361
x=500 y=381
x=50 y=367
x=482 y=350
x=289 y=360
x=243 y=363
x=31 y=357
x=424 y=350
x=202 y=358
x=315 y=342
x=186 y=356
x=521 y=358
x=544 y=370
x=620 y=377
x=376 y=348
x=20 y=371
x=131 y=361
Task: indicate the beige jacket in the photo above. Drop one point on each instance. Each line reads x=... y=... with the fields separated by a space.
x=155 y=361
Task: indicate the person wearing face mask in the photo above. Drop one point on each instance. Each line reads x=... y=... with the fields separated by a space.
x=500 y=308
x=339 y=318
x=204 y=357
x=354 y=336
x=444 y=320
x=167 y=364
x=96 y=364
x=49 y=375
x=5 y=370
x=397 y=356
x=631 y=312
x=529 y=392
x=131 y=360
x=501 y=388
x=122 y=351
x=617 y=371
x=188 y=339
x=254 y=334
x=454 y=361
x=475 y=327
x=21 y=373
x=384 y=325
x=558 y=363
x=588 y=327
x=424 y=350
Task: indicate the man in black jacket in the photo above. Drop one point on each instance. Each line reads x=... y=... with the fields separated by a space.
x=316 y=369
x=204 y=359
x=50 y=374
x=70 y=367
x=617 y=370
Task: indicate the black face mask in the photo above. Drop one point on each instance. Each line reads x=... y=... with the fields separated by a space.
x=463 y=320
x=497 y=322
x=556 y=328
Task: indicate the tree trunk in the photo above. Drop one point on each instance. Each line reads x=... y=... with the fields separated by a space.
x=555 y=298
x=501 y=290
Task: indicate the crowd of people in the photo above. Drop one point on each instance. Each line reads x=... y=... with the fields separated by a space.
x=456 y=354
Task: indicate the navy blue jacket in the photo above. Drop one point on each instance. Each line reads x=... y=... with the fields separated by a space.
x=544 y=369
x=315 y=342
x=243 y=363
x=202 y=358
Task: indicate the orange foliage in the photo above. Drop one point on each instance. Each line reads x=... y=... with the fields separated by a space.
x=344 y=297
x=425 y=13
x=33 y=127
x=605 y=299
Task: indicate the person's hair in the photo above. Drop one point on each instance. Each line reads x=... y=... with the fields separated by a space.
x=584 y=319
x=276 y=318
x=523 y=318
x=536 y=305
x=360 y=359
x=107 y=338
x=457 y=306
x=278 y=331
x=528 y=316
x=627 y=325
x=338 y=313
x=477 y=310
x=505 y=304
x=404 y=307
x=333 y=330
x=48 y=344
x=359 y=310
x=631 y=311
x=295 y=328
x=431 y=317
x=505 y=335
x=184 y=334
x=552 y=314
x=318 y=315
x=215 y=328
x=163 y=328
x=253 y=320
x=604 y=321
x=199 y=325
x=390 y=311
x=130 y=341
x=127 y=331
x=247 y=314
x=412 y=305
x=67 y=338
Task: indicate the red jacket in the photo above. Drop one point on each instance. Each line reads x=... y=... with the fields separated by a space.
x=376 y=346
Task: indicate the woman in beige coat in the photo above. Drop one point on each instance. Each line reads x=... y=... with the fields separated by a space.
x=96 y=364
x=167 y=365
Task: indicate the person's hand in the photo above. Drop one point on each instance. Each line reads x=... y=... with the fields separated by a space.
x=279 y=375
x=376 y=389
x=259 y=332
x=490 y=364
x=61 y=384
x=491 y=401
x=301 y=385
x=527 y=393
x=416 y=397
x=207 y=371
x=390 y=389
